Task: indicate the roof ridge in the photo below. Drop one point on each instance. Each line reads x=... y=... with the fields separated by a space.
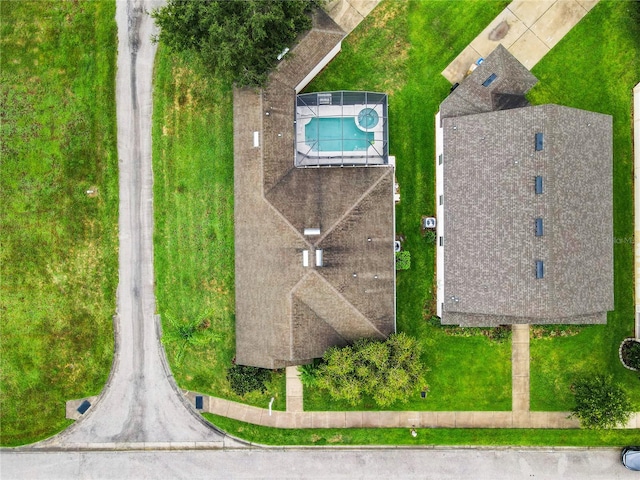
x=293 y=295
x=275 y=184
x=359 y=200
x=340 y=296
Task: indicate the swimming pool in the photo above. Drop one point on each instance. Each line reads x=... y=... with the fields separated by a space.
x=336 y=134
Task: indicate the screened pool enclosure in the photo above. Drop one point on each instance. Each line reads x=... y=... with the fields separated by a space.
x=341 y=129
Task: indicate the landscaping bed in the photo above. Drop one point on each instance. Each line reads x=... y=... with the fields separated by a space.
x=630 y=353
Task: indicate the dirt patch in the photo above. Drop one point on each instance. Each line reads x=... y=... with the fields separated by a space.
x=500 y=31
x=386 y=12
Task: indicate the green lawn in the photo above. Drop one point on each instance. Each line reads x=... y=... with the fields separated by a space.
x=426 y=436
x=193 y=242
x=595 y=68
x=58 y=259
x=401 y=48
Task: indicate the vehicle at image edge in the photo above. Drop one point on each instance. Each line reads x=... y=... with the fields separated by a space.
x=631 y=458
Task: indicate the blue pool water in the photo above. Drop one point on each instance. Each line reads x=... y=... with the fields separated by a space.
x=368 y=118
x=336 y=134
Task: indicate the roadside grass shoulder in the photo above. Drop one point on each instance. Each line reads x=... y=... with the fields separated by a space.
x=595 y=67
x=426 y=436
x=58 y=259
x=193 y=239
x=401 y=48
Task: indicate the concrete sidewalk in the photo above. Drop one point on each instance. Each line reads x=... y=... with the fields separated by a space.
x=349 y=13
x=527 y=28
x=386 y=419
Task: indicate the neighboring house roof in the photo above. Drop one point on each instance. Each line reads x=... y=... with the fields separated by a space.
x=496 y=227
x=499 y=82
x=287 y=313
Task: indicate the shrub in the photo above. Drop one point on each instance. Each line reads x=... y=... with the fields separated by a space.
x=600 y=403
x=630 y=352
x=309 y=373
x=499 y=334
x=244 y=379
x=434 y=321
x=403 y=260
x=430 y=236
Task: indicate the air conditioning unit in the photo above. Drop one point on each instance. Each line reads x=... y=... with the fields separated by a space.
x=428 y=222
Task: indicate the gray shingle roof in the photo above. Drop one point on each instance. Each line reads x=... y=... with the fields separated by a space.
x=490 y=209
x=512 y=81
x=286 y=313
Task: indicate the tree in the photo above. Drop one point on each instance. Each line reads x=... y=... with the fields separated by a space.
x=386 y=371
x=600 y=403
x=239 y=39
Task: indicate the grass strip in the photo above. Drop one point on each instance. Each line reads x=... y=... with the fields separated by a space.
x=193 y=238
x=426 y=436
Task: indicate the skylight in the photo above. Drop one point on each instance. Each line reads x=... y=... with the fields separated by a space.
x=539 y=229
x=489 y=80
x=539 y=269
x=539 y=141
x=538 y=185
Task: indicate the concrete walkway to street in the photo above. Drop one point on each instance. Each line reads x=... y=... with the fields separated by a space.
x=527 y=28
x=295 y=401
x=520 y=368
x=386 y=419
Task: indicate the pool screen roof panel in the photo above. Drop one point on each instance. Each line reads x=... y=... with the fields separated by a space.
x=341 y=128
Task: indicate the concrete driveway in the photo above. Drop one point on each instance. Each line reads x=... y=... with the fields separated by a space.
x=527 y=28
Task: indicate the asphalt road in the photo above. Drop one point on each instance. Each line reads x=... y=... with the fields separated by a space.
x=337 y=464
x=140 y=402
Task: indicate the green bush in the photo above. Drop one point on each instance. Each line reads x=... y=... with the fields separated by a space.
x=499 y=334
x=403 y=260
x=430 y=236
x=244 y=379
x=309 y=373
x=434 y=321
x=600 y=403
